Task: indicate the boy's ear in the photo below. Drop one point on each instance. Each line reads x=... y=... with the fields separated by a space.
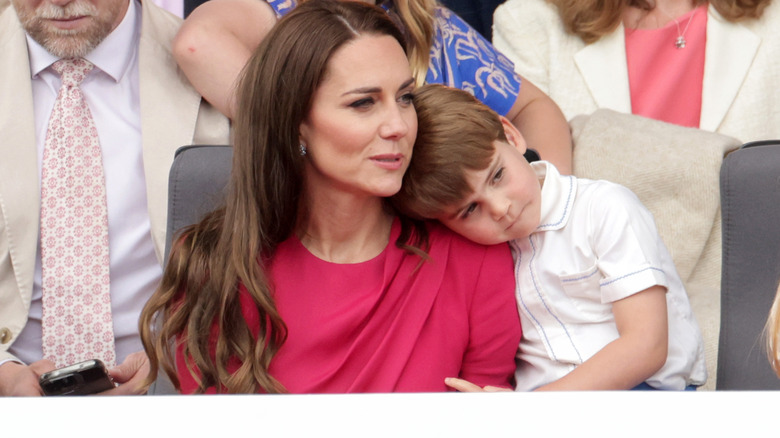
x=513 y=135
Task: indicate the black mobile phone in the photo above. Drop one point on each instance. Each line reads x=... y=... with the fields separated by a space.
x=83 y=378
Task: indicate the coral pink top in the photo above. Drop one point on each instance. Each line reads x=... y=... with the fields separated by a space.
x=386 y=325
x=665 y=81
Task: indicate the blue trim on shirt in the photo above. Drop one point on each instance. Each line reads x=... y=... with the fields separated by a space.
x=567 y=205
x=569 y=280
x=541 y=298
x=630 y=274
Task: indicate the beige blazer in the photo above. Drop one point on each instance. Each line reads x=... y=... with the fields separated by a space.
x=741 y=73
x=173 y=114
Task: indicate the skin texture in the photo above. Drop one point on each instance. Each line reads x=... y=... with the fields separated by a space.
x=359 y=136
x=361 y=128
x=219 y=36
x=506 y=205
x=20 y=380
x=622 y=364
x=70 y=28
x=130 y=375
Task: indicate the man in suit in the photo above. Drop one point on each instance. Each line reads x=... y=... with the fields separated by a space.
x=143 y=109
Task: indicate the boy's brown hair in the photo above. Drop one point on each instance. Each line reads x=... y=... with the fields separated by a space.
x=455 y=134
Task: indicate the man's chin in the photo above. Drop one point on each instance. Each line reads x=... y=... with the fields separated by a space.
x=71 y=45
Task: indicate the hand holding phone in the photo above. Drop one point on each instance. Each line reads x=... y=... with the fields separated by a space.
x=83 y=378
x=18 y=379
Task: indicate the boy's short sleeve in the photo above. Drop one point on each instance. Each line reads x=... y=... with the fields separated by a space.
x=626 y=243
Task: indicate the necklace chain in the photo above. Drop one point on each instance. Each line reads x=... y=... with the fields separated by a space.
x=680 y=41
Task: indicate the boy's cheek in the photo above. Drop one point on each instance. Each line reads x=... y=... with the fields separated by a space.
x=458 y=227
x=476 y=232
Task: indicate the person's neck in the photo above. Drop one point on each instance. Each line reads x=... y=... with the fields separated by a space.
x=664 y=12
x=342 y=229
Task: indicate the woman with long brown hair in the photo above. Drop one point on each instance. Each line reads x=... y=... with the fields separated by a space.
x=308 y=280
x=217 y=38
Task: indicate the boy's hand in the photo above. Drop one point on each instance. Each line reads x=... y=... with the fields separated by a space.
x=461 y=385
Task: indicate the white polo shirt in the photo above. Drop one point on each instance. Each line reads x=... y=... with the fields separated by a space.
x=596 y=244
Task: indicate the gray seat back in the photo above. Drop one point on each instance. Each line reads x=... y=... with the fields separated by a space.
x=750 y=207
x=196 y=186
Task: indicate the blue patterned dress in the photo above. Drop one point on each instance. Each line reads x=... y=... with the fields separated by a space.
x=460 y=57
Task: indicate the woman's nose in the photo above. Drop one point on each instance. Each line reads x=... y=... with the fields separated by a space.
x=396 y=124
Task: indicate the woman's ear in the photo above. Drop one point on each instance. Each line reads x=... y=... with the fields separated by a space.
x=303 y=131
x=513 y=135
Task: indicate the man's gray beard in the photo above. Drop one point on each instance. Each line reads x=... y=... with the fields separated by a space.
x=65 y=43
x=66 y=46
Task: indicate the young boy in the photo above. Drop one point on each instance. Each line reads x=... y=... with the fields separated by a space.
x=601 y=303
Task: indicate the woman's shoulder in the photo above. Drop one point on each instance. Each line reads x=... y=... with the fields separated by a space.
x=470 y=265
x=439 y=234
x=461 y=247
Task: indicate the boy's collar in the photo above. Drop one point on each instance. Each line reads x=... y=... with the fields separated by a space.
x=558 y=194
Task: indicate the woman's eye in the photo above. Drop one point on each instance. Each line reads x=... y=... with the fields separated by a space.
x=469 y=210
x=407 y=98
x=498 y=175
x=362 y=103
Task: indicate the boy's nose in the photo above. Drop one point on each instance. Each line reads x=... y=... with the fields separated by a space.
x=499 y=206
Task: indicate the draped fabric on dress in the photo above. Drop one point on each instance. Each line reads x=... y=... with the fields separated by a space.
x=392 y=324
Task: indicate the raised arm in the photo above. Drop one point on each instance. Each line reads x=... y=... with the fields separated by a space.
x=215 y=42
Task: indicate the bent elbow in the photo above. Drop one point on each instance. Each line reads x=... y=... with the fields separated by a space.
x=188 y=43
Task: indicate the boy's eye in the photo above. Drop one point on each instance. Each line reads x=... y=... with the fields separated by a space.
x=498 y=175
x=470 y=209
x=362 y=103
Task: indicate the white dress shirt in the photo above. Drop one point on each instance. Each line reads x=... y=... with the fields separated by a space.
x=112 y=93
x=596 y=244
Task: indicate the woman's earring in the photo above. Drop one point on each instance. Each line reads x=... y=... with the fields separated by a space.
x=303 y=149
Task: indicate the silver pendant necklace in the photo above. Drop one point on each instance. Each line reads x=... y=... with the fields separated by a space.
x=680 y=41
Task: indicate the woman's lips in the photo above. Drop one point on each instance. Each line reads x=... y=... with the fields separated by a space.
x=388 y=161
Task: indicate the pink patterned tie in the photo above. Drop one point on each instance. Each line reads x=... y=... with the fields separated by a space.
x=77 y=322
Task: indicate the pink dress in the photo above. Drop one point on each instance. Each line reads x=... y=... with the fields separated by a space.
x=387 y=325
x=666 y=82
